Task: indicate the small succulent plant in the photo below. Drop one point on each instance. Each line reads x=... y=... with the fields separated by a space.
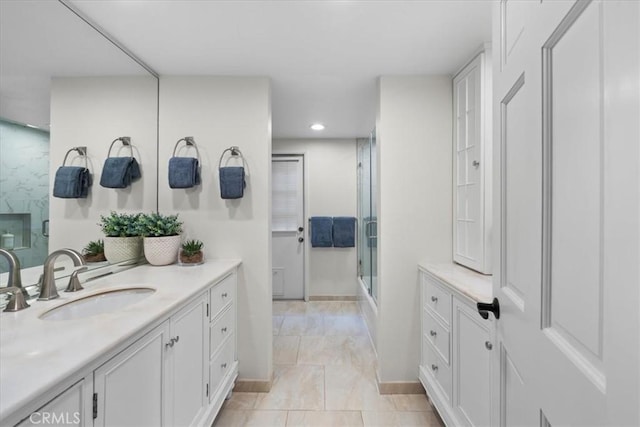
x=94 y=247
x=158 y=225
x=119 y=225
x=94 y=251
x=191 y=247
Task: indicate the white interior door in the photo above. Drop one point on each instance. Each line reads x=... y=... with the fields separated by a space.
x=567 y=111
x=287 y=227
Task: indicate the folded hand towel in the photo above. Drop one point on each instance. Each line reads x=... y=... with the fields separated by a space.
x=71 y=182
x=184 y=172
x=119 y=172
x=232 y=182
x=344 y=232
x=321 y=232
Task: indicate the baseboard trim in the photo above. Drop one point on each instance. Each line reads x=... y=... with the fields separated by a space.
x=333 y=298
x=400 y=387
x=253 y=386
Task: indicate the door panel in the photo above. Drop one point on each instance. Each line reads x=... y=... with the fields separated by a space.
x=570 y=214
x=287 y=229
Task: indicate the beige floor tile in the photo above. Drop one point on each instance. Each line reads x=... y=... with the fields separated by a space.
x=324 y=418
x=400 y=419
x=350 y=388
x=240 y=400
x=240 y=418
x=295 y=387
x=277 y=323
x=309 y=324
x=411 y=402
x=289 y=307
x=324 y=350
x=344 y=324
x=362 y=353
x=285 y=350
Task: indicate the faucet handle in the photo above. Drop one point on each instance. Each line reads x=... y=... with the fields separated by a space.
x=17 y=301
x=74 y=283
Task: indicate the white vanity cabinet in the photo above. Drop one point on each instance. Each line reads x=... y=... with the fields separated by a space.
x=472 y=187
x=161 y=378
x=455 y=364
x=71 y=407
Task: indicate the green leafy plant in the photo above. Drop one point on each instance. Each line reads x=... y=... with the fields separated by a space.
x=119 y=225
x=158 y=225
x=191 y=247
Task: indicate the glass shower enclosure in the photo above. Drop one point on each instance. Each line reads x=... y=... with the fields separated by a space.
x=367 y=214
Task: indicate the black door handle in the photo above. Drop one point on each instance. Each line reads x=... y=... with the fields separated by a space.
x=300 y=229
x=484 y=309
x=300 y=239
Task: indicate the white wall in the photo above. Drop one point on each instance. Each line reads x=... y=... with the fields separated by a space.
x=330 y=190
x=92 y=112
x=220 y=112
x=414 y=137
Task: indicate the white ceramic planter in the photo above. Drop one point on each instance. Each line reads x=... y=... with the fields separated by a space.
x=118 y=249
x=162 y=250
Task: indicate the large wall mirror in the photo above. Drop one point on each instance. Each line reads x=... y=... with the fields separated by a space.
x=63 y=84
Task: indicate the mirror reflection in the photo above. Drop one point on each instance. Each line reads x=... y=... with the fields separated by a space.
x=63 y=84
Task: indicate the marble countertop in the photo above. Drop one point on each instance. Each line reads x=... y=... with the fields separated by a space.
x=36 y=355
x=474 y=285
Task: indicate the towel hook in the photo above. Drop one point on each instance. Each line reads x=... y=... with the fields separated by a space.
x=82 y=151
x=126 y=141
x=235 y=151
x=190 y=142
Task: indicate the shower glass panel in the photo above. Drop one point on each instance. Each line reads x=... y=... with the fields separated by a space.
x=367 y=217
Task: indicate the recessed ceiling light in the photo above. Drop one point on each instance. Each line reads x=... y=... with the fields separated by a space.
x=317 y=126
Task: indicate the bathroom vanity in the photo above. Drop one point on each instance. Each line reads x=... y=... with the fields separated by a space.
x=147 y=346
x=456 y=344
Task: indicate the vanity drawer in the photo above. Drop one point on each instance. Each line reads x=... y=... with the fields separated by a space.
x=436 y=334
x=222 y=294
x=437 y=368
x=221 y=328
x=437 y=298
x=221 y=365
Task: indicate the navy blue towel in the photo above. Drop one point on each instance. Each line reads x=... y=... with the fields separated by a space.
x=344 y=232
x=321 y=231
x=184 y=172
x=119 y=172
x=72 y=182
x=232 y=182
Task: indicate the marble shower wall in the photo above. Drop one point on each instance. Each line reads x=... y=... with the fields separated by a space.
x=24 y=189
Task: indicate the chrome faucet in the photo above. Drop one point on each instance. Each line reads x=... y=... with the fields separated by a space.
x=48 y=289
x=14 y=271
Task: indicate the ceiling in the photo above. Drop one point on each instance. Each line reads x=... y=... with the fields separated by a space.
x=323 y=57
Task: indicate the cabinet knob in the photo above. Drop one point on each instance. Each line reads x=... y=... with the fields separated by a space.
x=488 y=345
x=223 y=366
x=177 y=338
x=476 y=163
x=169 y=344
x=223 y=330
x=434 y=298
x=434 y=368
x=224 y=295
x=433 y=333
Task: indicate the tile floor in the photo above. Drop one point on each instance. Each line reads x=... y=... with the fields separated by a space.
x=324 y=375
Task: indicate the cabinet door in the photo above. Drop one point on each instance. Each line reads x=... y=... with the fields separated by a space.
x=188 y=361
x=129 y=387
x=471 y=166
x=472 y=366
x=72 y=407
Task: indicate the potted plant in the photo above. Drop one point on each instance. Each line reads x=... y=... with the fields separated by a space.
x=161 y=237
x=191 y=253
x=122 y=241
x=94 y=251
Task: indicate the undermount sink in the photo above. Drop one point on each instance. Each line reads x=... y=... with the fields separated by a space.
x=92 y=305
